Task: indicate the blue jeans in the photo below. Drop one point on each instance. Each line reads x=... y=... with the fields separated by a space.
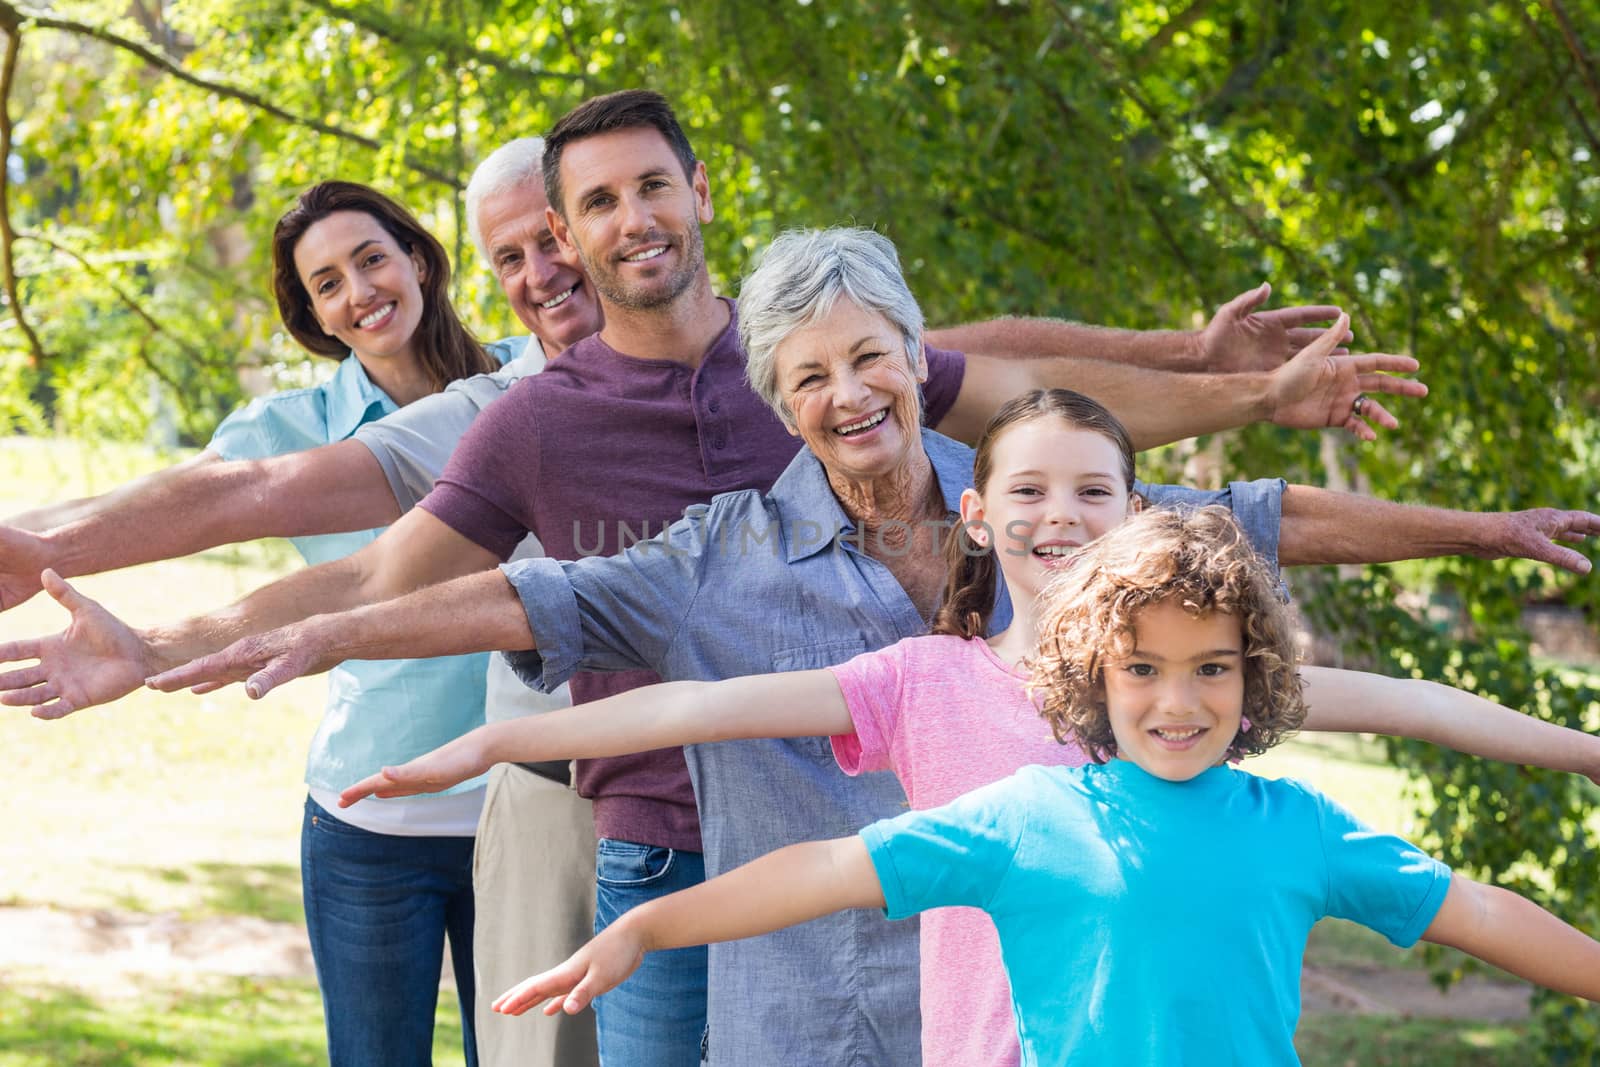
x=378 y=907
x=656 y=1018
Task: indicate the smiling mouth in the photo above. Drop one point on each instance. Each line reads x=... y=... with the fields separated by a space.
x=851 y=429
x=1177 y=737
x=366 y=321
x=557 y=301
x=646 y=255
x=1056 y=551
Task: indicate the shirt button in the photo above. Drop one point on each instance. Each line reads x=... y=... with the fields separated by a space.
x=714 y=405
x=719 y=443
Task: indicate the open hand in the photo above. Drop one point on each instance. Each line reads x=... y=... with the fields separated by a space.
x=450 y=764
x=1240 y=337
x=23 y=555
x=1317 y=388
x=596 y=968
x=96 y=659
x=263 y=662
x=1533 y=534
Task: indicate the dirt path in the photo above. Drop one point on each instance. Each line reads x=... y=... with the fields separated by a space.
x=84 y=948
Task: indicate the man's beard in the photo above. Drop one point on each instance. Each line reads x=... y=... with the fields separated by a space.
x=652 y=293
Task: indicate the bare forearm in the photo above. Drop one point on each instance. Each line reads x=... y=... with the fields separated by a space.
x=792 y=704
x=1156 y=406
x=1323 y=526
x=783 y=888
x=1358 y=702
x=478 y=613
x=1518 y=936
x=1022 y=338
x=196 y=506
x=325 y=589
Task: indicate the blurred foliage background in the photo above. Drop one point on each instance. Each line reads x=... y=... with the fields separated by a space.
x=1432 y=167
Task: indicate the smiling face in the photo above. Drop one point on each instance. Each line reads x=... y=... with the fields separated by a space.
x=633 y=217
x=365 y=289
x=851 y=392
x=1176 y=700
x=547 y=290
x=1052 y=487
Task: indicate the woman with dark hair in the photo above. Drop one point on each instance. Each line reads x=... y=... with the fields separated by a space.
x=435 y=345
x=358 y=279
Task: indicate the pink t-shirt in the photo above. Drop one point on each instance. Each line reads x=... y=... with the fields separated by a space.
x=947 y=716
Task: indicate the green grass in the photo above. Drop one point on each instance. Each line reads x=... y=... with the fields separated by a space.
x=232 y=1022
x=1386 y=1041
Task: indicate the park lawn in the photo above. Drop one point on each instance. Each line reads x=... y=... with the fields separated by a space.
x=191 y=805
x=224 y=1022
x=1387 y=1041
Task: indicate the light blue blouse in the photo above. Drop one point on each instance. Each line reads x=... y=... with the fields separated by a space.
x=379 y=712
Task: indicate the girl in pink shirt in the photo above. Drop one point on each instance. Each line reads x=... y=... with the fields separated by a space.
x=947 y=713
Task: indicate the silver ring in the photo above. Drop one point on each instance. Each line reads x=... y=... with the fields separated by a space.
x=1358 y=405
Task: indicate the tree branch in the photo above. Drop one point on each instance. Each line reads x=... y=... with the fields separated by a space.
x=8 y=237
x=1579 y=57
x=1162 y=133
x=14 y=14
x=1169 y=29
x=454 y=47
x=190 y=349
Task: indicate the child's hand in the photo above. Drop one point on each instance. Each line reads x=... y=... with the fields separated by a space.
x=450 y=764
x=596 y=968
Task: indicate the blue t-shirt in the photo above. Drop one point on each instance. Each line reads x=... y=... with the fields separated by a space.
x=1144 y=921
x=379 y=712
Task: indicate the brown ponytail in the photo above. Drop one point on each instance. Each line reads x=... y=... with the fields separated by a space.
x=973 y=575
x=970 y=586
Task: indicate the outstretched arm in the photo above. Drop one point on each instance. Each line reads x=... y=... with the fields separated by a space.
x=1314 y=389
x=1323 y=526
x=1517 y=935
x=791 y=704
x=477 y=613
x=192 y=506
x=790 y=886
x=1239 y=337
x=78 y=668
x=1340 y=701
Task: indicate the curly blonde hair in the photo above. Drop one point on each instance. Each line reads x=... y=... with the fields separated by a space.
x=1198 y=558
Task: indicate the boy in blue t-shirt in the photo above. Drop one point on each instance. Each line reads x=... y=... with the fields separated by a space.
x=1153 y=907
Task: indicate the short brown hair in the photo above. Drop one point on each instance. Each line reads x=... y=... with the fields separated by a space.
x=629 y=109
x=1201 y=560
x=445 y=348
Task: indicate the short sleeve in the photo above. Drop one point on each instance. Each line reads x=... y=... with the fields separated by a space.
x=871 y=684
x=946 y=369
x=607 y=613
x=1258 y=505
x=414 y=444
x=246 y=433
x=953 y=855
x=1379 y=880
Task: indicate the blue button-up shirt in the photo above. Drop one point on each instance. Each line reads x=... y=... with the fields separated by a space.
x=751 y=584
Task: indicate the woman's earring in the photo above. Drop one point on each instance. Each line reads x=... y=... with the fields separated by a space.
x=1244 y=724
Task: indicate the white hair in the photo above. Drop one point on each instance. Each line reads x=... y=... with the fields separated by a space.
x=801 y=276
x=512 y=164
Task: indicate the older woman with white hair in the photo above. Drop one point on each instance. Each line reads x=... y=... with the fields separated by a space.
x=843 y=555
